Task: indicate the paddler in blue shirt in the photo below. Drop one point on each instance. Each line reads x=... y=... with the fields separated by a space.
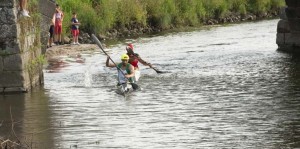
x=127 y=69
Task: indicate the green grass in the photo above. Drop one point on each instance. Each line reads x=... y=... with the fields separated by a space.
x=99 y=16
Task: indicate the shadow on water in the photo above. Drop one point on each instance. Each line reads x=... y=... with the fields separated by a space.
x=26 y=119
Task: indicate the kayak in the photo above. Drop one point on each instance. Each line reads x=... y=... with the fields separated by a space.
x=124 y=89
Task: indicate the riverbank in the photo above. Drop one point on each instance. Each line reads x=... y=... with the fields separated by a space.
x=58 y=56
x=68 y=49
x=137 y=30
x=117 y=19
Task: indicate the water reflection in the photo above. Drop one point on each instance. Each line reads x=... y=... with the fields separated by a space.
x=25 y=118
x=228 y=87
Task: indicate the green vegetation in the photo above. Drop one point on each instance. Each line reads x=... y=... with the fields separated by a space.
x=102 y=15
x=35 y=65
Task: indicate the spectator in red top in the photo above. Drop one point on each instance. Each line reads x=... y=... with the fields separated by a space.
x=58 y=17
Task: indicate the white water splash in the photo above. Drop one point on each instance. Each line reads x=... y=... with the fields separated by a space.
x=87 y=78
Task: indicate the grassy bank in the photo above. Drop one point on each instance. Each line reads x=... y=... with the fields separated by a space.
x=99 y=16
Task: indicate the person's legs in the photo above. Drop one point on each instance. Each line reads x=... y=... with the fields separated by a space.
x=77 y=35
x=23 y=5
x=74 y=36
x=55 y=34
x=50 y=41
x=59 y=38
x=76 y=39
x=59 y=33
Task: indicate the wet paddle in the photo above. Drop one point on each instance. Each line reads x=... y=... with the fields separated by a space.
x=158 y=71
x=134 y=86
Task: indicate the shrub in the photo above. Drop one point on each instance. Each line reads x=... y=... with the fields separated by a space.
x=103 y=15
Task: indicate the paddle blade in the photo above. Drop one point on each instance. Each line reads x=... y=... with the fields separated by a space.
x=134 y=86
x=158 y=71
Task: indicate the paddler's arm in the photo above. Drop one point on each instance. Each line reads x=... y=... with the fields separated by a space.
x=131 y=68
x=108 y=64
x=143 y=62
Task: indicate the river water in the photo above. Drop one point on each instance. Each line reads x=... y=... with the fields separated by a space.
x=226 y=87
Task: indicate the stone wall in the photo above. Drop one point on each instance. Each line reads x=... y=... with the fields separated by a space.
x=288 y=28
x=47 y=9
x=21 y=57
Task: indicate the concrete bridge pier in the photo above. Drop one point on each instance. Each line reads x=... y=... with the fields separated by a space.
x=288 y=28
x=21 y=57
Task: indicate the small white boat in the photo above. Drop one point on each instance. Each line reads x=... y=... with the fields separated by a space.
x=124 y=89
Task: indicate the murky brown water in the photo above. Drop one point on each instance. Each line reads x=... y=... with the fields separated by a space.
x=228 y=87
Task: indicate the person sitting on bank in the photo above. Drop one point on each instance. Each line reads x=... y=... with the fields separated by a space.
x=125 y=71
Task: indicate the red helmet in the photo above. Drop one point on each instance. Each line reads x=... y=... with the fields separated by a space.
x=130 y=46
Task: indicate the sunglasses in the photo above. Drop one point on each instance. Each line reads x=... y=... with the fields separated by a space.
x=124 y=60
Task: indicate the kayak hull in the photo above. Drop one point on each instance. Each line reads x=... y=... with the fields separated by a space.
x=124 y=89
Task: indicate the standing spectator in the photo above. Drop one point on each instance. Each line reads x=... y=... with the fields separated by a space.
x=58 y=17
x=23 y=5
x=51 y=33
x=75 y=28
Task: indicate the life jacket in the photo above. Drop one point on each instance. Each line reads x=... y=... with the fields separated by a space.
x=133 y=59
x=121 y=77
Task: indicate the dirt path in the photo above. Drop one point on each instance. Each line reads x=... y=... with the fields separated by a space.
x=68 y=50
x=55 y=55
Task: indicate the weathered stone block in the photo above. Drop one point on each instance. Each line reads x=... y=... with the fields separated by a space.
x=282 y=13
x=1 y=64
x=292 y=3
x=294 y=25
x=295 y=38
x=19 y=44
x=47 y=9
x=11 y=79
x=6 y=3
x=12 y=89
x=7 y=16
x=8 y=31
x=11 y=47
x=2 y=16
x=284 y=38
x=10 y=16
x=27 y=57
x=13 y=63
x=283 y=27
x=27 y=80
x=291 y=13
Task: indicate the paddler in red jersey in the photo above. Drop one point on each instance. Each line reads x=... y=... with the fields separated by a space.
x=134 y=59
